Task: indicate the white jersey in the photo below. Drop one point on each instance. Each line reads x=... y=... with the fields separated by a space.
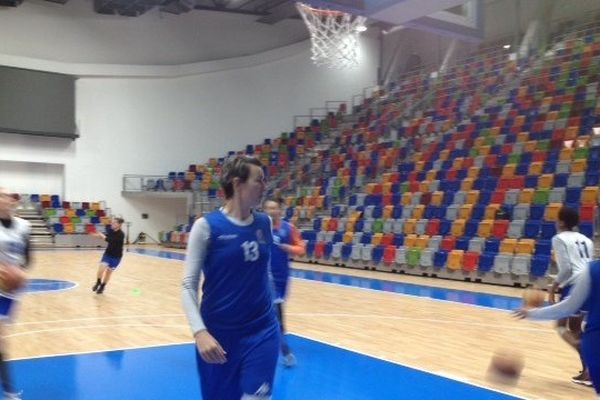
x=573 y=252
x=14 y=241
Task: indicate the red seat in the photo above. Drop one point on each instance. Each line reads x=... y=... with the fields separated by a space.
x=332 y=225
x=66 y=204
x=90 y=228
x=470 y=260
x=498 y=196
x=433 y=227
x=517 y=182
x=490 y=160
x=500 y=228
x=426 y=198
x=586 y=212
x=387 y=239
x=85 y=205
x=319 y=249
x=64 y=220
x=504 y=183
x=448 y=243
x=389 y=254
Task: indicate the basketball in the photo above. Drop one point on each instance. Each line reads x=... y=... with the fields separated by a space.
x=506 y=366
x=11 y=277
x=533 y=298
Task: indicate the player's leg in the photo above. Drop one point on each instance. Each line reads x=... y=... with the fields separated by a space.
x=221 y=381
x=574 y=324
x=103 y=266
x=259 y=360
x=112 y=264
x=591 y=354
x=5 y=378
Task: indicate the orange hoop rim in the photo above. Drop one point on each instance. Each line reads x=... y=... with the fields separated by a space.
x=321 y=11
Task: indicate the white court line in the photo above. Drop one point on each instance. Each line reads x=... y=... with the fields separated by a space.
x=441 y=374
x=154 y=256
x=97 y=318
x=69 y=328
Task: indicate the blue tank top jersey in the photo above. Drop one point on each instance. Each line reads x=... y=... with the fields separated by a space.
x=280 y=264
x=236 y=293
x=593 y=300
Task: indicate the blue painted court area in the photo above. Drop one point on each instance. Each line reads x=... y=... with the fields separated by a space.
x=47 y=285
x=453 y=295
x=169 y=372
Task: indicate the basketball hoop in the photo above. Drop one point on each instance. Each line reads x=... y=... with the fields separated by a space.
x=333 y=36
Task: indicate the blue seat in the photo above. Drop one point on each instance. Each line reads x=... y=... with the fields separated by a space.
x=462 y=243
x=398 y=239
x=335 y=211
x=377 y=254
x=346 y=251
x=359 y=225
x=397 y=213
x=338 y=237
x=536 y=212
x=560 y=180
x=430 y=212
x=445 y=226
x=539 y=265
x=532 y=229
x=478 y=211
x=58 y=228
x=353 y=200
x=366 y=238
x=317 y=224
x=548 y=230
x=573 y=195
x=309 y=235
x=492 y=245
x=587 y=229
x=543 y=247
x=439 y=259
x=310 y=248
x=377 y=212
x=448 y=198
x=471 y=227
x=486 y=261
x=592 y=177
x=531 y=181
x=484 y=199
x=327 y=250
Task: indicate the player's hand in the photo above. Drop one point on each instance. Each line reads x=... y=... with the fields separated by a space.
x=551 y=298
x=210 y=350
x=520 y=314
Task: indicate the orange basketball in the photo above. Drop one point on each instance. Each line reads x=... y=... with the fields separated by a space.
x=506 y=366
x=11 y=277
x=533 y=298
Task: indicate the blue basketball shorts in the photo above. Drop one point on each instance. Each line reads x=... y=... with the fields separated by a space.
x=111 y=262
x=250 y=366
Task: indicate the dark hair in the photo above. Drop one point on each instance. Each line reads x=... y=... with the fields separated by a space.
x=237 y=167
x=119 y=220
x=277 y=200
x=569 y=217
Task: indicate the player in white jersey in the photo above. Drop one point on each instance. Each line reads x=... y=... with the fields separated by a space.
x=573 y=251
x=14 y=251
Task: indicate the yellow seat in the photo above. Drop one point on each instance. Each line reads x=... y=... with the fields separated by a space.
x=422 y=241
x=565 y=154
x=410 y=240
x=419 y=166
x=571 y=133
x=464 y=212
x=509 y=170
x=431 y=175
x=485 y=150
x=473 y=172
x=579 y=165
x=551 y=211
x=348 y=236
x=370 y=188
x=536 y=167
x=406 y=198
x=437 y=198
x=490 y=211
x=526 y=195
x=455 y=259
x=350 y=225
x=68 y=228
x=376 y=239
x=508 y=246
x=386 y=188
x=466 y=184
x=457 y=162
x=546 y=181
x=458 y=227
x=325 y=223
x=388 y=211
x=523 y=137
x=530 y=146
x=472 y=197
x=589 y=195
x=424 y=186
x=418 y=211
x=485 y=228
x=409 y=226
x=525 y=246
x=444 y=154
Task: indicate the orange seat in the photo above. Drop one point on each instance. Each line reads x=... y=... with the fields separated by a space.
x=410 y=240
x=526 y=195
x=422 y=241
x=437 y=198
x=490 y=211
x=589 y=195
x=485 y=228
x=472 y=197
x=551 y=211
x=508 y=246
x=525 y=246
x=455 y=259
x=464 y=212
x=458 y=227
x=466 y=184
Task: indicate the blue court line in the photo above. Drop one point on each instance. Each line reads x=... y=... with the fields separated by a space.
x=453 y=295
x=169 y=372
x=47 y=285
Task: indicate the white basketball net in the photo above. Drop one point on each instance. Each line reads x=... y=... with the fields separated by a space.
x=333 y=36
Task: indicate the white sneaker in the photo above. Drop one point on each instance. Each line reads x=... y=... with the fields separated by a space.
x=289 y=360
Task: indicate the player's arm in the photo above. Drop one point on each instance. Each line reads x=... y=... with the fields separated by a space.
x=563 y=264
x=210 y=350
x=569 y=306
x=297 y=247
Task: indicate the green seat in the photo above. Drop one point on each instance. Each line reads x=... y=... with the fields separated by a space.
x=541 y=196
x=513 y=158
x=404 y=187
x=581 y=153
x=413 y=257
x=75 y=220
x=543 y=144
x=377 y=226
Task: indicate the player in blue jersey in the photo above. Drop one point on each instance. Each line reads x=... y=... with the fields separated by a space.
x=233 y=323
x=585 y=291
x=286 y=243
x=14 y=251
